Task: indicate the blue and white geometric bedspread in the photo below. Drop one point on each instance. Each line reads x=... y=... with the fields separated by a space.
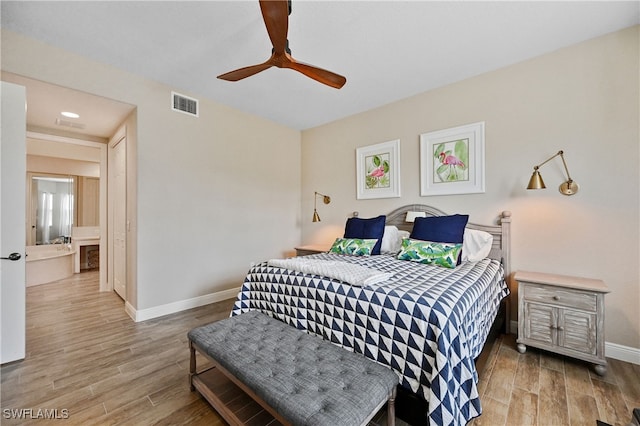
x=427 y=323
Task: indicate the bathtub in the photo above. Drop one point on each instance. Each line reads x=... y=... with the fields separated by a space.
x=49 y=262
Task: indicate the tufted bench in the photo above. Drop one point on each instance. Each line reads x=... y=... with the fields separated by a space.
x=299 y=379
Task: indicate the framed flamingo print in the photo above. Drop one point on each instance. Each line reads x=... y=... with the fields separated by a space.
x=378 y=170
x=452 y=161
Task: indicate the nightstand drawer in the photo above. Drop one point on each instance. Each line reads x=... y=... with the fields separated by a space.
x=312 y=249
x=560 y=297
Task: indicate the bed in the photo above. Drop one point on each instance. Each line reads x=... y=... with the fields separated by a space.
x=428 y=323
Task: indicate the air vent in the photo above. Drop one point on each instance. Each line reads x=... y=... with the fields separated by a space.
x=71 y=124
x=184 y=104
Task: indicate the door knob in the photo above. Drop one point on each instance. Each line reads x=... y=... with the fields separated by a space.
x=12 y=256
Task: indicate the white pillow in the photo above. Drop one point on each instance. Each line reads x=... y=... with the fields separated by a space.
x=401 y=236
x=392 y=239
x=476 y=245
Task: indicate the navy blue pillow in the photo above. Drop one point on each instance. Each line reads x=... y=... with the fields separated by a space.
x=366 y=228
x=440 y=229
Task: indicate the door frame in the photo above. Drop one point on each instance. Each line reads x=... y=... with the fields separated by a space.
x=119 y=137
x=105 y=284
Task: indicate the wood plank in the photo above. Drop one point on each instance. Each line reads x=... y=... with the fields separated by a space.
x=577 y=377
x=503 y=374
x=494 y=413
x=611 y=403
x=263 y=418
x=553 y=401
x=582 y=409
x=528 y=372
x=552 y=361
x=628 y=380
x=523 y=408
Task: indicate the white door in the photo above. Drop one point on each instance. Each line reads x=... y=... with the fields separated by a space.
x=13 y=175
x=118 y=176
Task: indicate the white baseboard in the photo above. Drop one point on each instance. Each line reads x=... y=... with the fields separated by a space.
x=179 y=306
x=611 y=350
x=622 y=353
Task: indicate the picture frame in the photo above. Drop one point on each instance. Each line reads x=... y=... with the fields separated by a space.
x=378 y=170
x=452 y=161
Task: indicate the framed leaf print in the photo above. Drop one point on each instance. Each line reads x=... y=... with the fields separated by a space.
x=378 y=170
x=452 y=161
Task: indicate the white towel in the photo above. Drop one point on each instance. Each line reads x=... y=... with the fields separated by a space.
x=353 y=274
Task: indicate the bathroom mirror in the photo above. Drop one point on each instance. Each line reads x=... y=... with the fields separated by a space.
x=53 y=210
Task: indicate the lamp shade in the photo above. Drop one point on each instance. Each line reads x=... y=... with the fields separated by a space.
x=536 y=181
x=316 y=216
x=567 y=188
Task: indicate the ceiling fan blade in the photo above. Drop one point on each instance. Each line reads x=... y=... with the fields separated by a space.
x=276 y=18
x=245 y=72
x=323 y=76
x=275 y=14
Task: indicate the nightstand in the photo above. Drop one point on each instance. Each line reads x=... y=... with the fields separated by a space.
x=562 y=314
x=312 y=249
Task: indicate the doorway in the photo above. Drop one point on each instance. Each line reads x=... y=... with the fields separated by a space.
x=61 y=139
x=72 y=174
x=99 y=119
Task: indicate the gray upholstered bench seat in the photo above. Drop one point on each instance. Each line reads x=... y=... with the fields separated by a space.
x=299 y=378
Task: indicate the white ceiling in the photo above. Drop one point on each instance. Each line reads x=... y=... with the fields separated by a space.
x=99 y=116
x=387 y=50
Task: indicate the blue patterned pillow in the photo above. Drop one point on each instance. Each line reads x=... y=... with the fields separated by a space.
x=366 y=228
x=440 y=229
x=430 y=253
x=353 y=246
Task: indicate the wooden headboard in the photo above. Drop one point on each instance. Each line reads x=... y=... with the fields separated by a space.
x=501 y=232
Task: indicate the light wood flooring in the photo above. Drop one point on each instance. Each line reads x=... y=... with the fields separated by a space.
x=540 y=388
x=90 y=361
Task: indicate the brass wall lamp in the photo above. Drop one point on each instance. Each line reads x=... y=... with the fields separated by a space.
x=567 y=188
x=325 y=198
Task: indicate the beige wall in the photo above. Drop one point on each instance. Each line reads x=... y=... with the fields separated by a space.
x=583 y=99
x=206 y=187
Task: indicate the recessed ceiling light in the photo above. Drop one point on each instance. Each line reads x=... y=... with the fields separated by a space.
x=70 y=114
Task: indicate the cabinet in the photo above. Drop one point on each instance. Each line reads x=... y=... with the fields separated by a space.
x=84 y=236
x=88 y=201
x=562 y=314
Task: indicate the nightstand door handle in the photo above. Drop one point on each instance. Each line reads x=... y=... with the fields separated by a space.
x=556 y=298
x=560 y=328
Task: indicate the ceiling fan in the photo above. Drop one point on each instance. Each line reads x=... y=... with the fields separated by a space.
x=276 y=18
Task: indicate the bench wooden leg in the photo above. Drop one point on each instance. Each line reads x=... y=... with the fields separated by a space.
x=391 y=409
x=192 y=365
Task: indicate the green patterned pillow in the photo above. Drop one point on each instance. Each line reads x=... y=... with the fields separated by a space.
x=430 y=253
x=353 y=246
